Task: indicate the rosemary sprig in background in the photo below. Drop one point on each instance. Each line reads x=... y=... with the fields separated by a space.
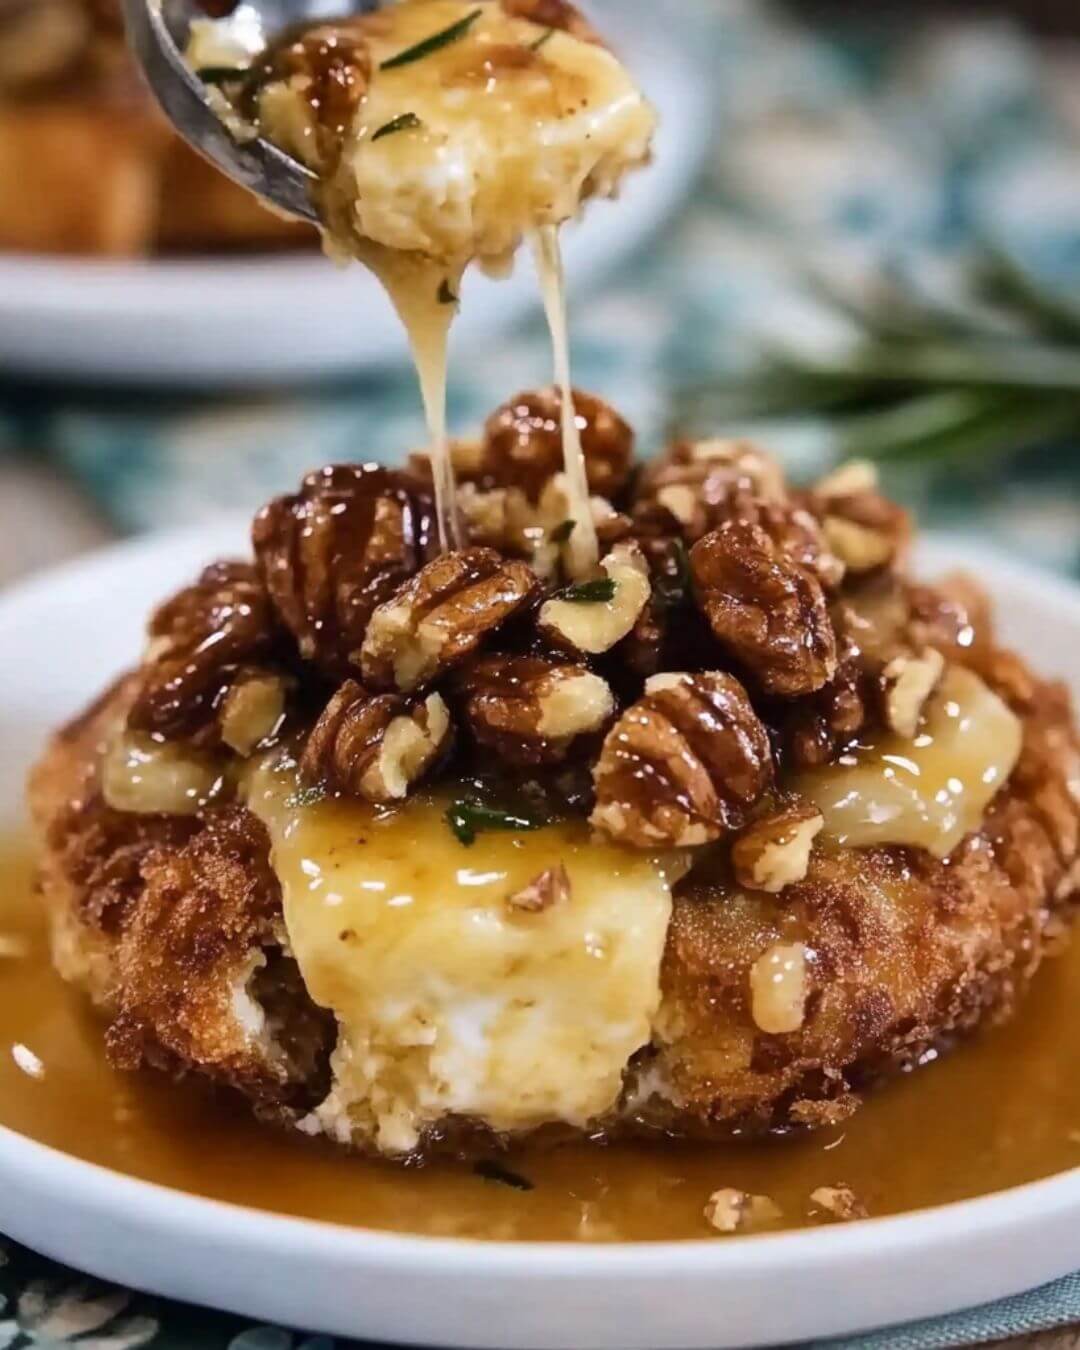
x=930 y=379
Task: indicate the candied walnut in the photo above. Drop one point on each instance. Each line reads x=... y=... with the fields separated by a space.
x=334 y=551
x=681 y=766
x=440 y=616
x=554 y=14
x=864 y=529
x=774 y=851
x=815 y=728
x=769 y=611
x=954 y=615
x=690 y=488
x=731 y=1211
x=908 y=681
x=594 y=616
x=530 y=710
x=839 y=1203
x=522 y=444
x=375 y=746
x=252 y=710
x=779 y=984
x=198 y=641
x=551 y=887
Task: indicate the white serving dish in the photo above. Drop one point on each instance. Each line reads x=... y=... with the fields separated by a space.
x=63 y=636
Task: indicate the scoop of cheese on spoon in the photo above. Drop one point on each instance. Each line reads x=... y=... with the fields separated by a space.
x=444 y=132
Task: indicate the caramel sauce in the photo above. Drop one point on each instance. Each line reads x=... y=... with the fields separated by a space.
x=1002 y=1110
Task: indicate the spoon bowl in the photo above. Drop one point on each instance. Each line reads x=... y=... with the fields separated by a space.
x=158 y=34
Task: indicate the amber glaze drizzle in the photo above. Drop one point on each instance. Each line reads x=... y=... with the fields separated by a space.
x=1002 y=1110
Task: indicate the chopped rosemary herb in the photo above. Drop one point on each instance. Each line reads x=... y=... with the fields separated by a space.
x=309 y=796
x=590 y=592
x=544 y=37
x=468 y=819
x=446 y=295
x=222 y=74
x=491 y=1170
x=561 y=533
x=405 y=122
x=432 y=43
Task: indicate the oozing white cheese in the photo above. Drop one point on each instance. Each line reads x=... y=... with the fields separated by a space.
x=507 y=136
x=449 y=1001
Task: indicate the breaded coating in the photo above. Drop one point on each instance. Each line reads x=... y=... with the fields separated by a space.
x=903 y=953
x=173 y=925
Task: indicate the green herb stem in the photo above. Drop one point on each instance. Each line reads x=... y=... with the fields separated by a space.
x=590 y=592
x=467 y=819
x=434 y=43
x=407 y=121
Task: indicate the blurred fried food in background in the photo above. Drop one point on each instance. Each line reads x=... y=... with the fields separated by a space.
x=88 y=165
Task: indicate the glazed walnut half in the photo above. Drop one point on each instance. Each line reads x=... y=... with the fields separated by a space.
x=200 y=640
x=681 y=766
x=334 y=551
x=766 y=609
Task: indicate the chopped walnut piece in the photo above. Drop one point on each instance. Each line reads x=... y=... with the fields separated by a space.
x=731 y=1211
x=679 y=768
x=440 y=616
x=551 y=887
x=334 y=551
x=198 y=641
x=769 y=611
x=778 y=988
x=908 y=681
x=865 y=530
x=816 y=727
x=375 y=746
x=252 y=711
x=595 y=626
x=849 y=480
x=839 y=1203
x=523 y=448
x=774 y=851
x=695 y=482
x=531 y=709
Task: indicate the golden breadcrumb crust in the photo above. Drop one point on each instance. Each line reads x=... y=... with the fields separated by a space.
x=173 y=925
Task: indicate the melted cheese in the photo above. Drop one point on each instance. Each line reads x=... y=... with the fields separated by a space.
x=449 y=1001
x=511 y=129
x=928 y=792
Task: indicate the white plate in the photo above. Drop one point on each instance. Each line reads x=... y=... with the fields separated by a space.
x=263 y=320
x=62 y=637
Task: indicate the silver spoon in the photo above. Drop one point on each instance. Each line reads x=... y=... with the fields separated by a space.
x=158 y=34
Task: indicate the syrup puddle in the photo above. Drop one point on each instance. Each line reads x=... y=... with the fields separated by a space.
x=1002 y=1110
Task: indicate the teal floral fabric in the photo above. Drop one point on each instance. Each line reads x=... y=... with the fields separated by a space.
x=908 y=143
x=873 y=148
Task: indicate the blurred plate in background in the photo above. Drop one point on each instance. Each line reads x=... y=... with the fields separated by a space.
x=271 y=319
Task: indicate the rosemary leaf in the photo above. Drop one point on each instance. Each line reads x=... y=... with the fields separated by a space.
x=541 y=40
x=446 y=295
x=467 y=819
x=590 y=592
x=434 y=43
x=407 y=121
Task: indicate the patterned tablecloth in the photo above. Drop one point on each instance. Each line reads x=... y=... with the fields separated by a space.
x=906 y=143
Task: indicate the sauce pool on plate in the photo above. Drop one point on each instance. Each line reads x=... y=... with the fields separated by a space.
x=1003 y=1110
